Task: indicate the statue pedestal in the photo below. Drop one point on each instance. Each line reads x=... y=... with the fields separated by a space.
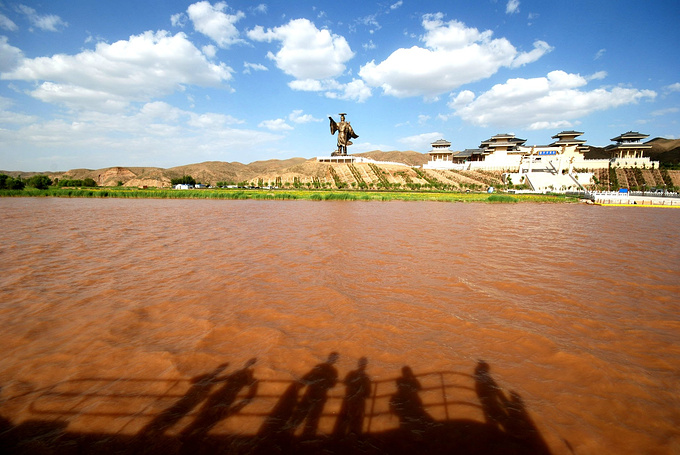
x=343 y=159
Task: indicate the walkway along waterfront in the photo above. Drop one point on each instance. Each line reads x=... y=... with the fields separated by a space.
x=633 y=199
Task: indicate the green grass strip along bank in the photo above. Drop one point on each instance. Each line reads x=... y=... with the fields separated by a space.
x=313 y=195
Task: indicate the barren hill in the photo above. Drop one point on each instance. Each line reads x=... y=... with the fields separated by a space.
x=310 y=173
x=409 y=157
x=665 y=150
x=291 y=172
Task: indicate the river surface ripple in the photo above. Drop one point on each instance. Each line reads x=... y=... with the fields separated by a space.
x=111 y=309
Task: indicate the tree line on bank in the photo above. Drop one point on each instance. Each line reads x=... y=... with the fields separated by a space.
x=42 y=182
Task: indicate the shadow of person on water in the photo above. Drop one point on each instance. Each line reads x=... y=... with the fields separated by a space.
x=197 y=393
x=220 y=404
x=276 y=431
x=408 y=406
x=508 y=415
x=350 y=419
x=318 y=381
x=502 y=425
x=491 y=397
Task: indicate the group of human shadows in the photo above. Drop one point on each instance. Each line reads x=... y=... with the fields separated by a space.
x=507 y=427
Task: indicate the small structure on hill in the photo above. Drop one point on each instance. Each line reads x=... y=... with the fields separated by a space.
x=442 y=157
x=441 y=151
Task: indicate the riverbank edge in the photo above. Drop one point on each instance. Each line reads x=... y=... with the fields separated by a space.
x=653 y=206
x=312 y=195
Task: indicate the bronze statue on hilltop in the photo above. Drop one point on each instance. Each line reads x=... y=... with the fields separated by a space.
x=345 y=133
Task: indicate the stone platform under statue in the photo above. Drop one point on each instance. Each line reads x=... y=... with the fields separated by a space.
x=345 y=159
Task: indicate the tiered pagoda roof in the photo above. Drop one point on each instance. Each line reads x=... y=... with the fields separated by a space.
x=629 y=137
x=628 y=145
x=509 y=141
x=440 y=144
x=568 y=138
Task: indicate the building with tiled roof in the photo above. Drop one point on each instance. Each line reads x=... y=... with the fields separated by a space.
x=628 y=150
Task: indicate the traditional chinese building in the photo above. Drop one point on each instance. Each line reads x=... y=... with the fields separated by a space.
x=560 y=165
x=502 y=143
x=441 y=151
x=501 y=151
x=629 y=150
x=540 y=167
x=568 y=138
x=498 y=152
x=442 y=157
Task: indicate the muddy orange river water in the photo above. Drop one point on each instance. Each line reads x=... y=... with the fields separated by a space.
x=362 y=327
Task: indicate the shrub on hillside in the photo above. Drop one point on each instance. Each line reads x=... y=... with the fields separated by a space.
x=10 y=183
x=184 y=180
x=88 y=182
x=41 y=182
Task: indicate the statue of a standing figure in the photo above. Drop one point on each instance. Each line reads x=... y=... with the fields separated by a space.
x=345 y=133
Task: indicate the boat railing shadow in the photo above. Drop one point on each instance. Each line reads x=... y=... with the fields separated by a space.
x=114 y=397
x=440 y=410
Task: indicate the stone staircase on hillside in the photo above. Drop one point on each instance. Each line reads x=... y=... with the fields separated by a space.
x=653 y=176
x=547 y=181
x=602 y=176
x=633 y=183
x=621 y=176
x=675 y=177
x=367 y=176
x=345 y=174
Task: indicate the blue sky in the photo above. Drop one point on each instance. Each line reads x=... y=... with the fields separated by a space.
x=88 y=84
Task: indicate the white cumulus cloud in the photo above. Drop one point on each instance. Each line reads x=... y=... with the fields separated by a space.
x=215 y=23
x=112 y=75
x=179 y=20
x=261 y=8
x=512 y=7
x=667 y=111
x=47 y=22
x=248 y=67
x=356 y=90
x=309 y=85
x=306 y=52
x=7 y=23
x=314 y=57
x=540 y=49
x=278 y=124
x=209 y=50
x=554 y=101
x=154 y=132
x=420 y=141
x=297 y=116
x=454 y=55
x=10 y=56
x=598 y=75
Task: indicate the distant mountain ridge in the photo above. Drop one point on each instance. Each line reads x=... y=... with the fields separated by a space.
x=211 y=172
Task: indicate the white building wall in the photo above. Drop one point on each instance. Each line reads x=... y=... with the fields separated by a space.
x=444 y=165
x=564 y=158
